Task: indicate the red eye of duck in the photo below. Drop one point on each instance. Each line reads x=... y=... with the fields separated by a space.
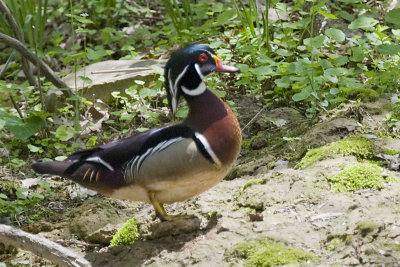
x=203 y=57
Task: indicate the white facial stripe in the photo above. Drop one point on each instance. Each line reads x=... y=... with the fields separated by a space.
x=193 y=92
x=100 y=161
x=198 y=70
x=200 y=89
x=180 y=77
x=174 y=88
x=173 y=91
x=208 y=148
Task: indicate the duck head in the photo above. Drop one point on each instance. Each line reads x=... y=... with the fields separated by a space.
x=185 y=71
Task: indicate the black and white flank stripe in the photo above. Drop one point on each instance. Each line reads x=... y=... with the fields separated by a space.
x=132 y=168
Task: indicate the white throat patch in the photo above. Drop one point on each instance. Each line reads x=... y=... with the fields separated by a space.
x=202 y=86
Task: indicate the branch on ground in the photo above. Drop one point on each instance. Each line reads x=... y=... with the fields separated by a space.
x=41 y=246
x=47 y=71
x=19 y=36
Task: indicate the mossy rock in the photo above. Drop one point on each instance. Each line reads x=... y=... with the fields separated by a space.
x=358 y=176
x=359 y=147
x=360 y=93
x=127 y=234
x=9 y=187
x=268 y=252
x=254 y=182
x=337 y=242
x=366 y=227
x=395 y=114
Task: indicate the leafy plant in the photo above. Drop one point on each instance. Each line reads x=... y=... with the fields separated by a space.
x=21 y=202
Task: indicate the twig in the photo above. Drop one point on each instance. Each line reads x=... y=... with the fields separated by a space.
x=1 y=75
x=19 y=36
x=255 y=117
x=47 y=71
x=41 y=246
x=121 y=70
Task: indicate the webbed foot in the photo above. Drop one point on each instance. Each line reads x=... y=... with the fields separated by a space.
x=162 y=214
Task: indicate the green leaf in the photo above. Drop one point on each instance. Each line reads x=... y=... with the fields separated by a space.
x=294 y=67
x=86 y=79
x=158 y=70
x=334 y=91
x=243 y=67
x=363 y=22
x=182 y=112
x=327 y=15
x=389 y=49
x=60 y=158
x=226 y=16
x=304 y=94
x=142 y=129
x=36 y=195
x=140 y=82
x=64 y=132
x=98 y=54
x=33 y=148
x=147 y=92
x=92 y=141
x=393 y=16
x=336 y=35
x=263 y=70
x=3 y=196
x=82 y=20
x=217 y=7
x=284 y=52
x=2 y=124
x=341 y=60
x=315 y=42
x=74 y=57
x=23 y=130
x=357 y=54
x=283 y=82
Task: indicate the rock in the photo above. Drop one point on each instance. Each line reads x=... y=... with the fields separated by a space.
x=281 y=165
x=251 y=167
x=172 y=228
x=277 y=118
x=105 y=78
x=259 y=142
x=96 y=221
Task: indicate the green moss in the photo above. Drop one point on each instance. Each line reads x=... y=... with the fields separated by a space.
x=268 y=252
x=254 y=182
x=338 y=241
x=390 y=152
x=395 y=114
x=335 y=243
x=9 y=186
x=127 y=234
x=364 y=93
x=246 y=143
x=395 y=247
x=358 y=176
x=353 y=146
x=365 y=227
x=40 y=214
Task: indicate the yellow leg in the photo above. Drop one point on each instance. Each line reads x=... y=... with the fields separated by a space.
x=160 y=209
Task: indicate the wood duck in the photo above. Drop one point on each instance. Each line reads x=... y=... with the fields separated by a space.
x=170 y=163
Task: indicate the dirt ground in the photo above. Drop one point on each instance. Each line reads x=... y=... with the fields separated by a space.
x=264 y=196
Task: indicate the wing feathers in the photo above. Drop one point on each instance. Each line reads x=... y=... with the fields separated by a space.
x=97 y=159
x=133 y=167
x=117 y=164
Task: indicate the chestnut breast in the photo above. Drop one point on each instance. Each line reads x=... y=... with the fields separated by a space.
x=212 y=117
